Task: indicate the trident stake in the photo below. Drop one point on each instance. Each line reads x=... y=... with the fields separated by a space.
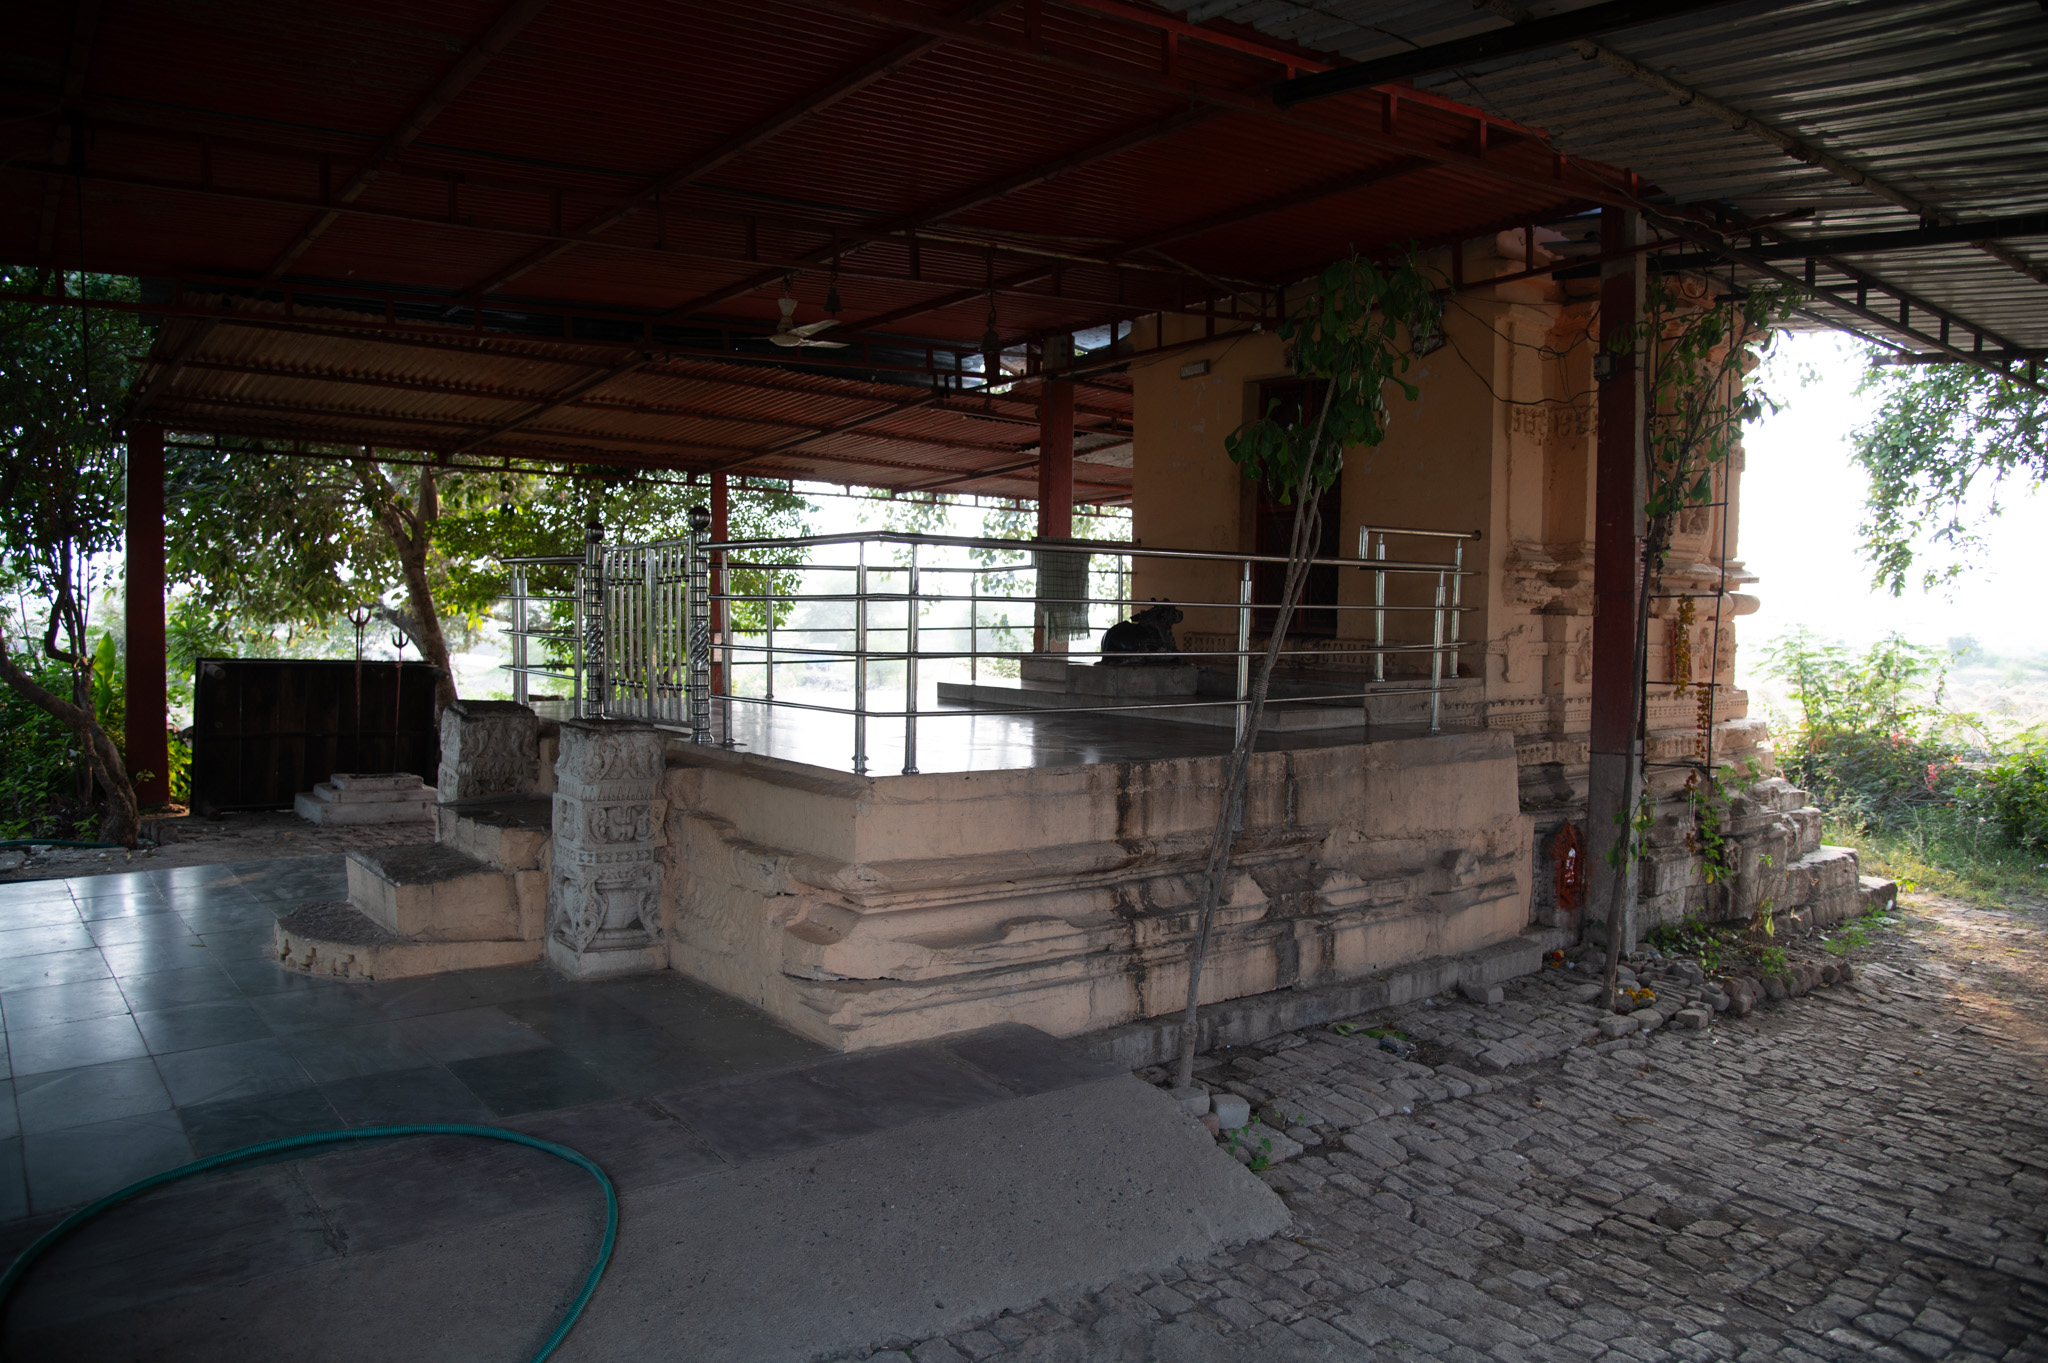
x=398 y=641
x=359 y=616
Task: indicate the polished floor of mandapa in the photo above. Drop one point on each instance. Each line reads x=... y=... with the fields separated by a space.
x=146 y=1024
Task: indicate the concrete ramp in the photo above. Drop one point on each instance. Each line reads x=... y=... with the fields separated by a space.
x=887 y=1196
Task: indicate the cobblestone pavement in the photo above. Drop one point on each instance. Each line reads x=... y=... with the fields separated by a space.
x=1858 y=1174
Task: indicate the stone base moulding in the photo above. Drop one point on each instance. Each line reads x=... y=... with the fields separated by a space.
x=863 y=911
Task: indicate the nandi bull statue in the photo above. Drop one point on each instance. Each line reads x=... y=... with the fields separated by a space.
x=1144 y=640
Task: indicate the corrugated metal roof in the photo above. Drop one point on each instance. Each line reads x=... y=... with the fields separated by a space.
x=1941 y=99
x=1063 y=166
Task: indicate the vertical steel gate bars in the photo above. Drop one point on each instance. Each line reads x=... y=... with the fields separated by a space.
x=698 y=574
x=910 y=668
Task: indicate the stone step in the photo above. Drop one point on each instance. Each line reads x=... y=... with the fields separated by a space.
x=367 y=798
x=330 y=937
x=434 y=893
x=380 y=781
x=510 y=833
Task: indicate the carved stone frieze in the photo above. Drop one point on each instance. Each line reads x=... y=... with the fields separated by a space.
x=488 y=747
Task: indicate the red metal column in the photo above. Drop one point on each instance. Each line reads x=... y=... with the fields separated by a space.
x=1056 y=460
x=1055 y=478
x=1617 y=557
x=148 y=749
x=721 y=530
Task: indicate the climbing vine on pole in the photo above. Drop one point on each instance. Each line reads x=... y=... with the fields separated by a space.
x=1696 y=353
x=1347 y=335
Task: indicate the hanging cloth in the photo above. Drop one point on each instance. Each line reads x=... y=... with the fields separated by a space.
x=1062 y=592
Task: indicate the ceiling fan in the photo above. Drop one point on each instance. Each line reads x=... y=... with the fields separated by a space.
x=788 y=333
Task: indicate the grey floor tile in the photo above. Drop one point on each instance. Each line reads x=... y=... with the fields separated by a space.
x=13 y=1181
x=96 y=1093
x=1027 y=1060
x=130 y=959
x=183 y=877
x=532 y=1081
x=398 y=1097
x=248 y=943
x=114 y=907
x=228 y=1226
x=162 y=989
x=346 y=1052
x=240 y=1069
x=469 y=1033
x=255 y=975
x=34 y=941
x=53 y=967
x=313 y=1008
x=398 y=1192
x=38 y=913
x=55 y=1003
x=904 y=1084
x=762 y=1116
x=69 y=1045
x=637 y=1143
x=233 y=1123
x=10 y=1122
x=115 y=883
x=77 y=1164
x=198 y=1025
x=215 y=919
x=149 y=928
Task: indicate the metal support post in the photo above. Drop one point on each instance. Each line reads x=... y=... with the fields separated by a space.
x=1457 y=597
x=768 y=631
x=1244 y=648
x=519 y=685
x=860 y=662
x=974 y=624
x=594 y=641
x=650 y=609
x=1379 y=616
x=910 y=669
x=1436 y=661
x=697 y=577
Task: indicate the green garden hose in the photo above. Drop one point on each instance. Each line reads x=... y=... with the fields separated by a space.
x=44 y=1243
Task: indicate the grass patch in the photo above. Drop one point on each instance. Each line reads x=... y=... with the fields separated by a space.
x=1945 y=851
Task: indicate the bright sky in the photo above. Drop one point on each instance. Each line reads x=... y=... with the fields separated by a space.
x=1802 y=500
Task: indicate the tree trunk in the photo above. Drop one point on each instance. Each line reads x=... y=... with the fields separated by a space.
x=122 y=822
x=412 y=534
x=1632 y=780
x=1301 y=548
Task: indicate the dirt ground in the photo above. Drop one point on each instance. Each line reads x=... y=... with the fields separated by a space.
x=256 y=835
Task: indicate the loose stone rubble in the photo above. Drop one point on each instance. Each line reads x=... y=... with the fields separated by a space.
x=1856 y=1173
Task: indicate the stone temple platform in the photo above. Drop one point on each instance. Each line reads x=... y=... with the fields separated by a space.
x=778 y=1203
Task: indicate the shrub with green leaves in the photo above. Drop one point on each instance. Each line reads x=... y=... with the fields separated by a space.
x=1870 y=740
x=2013 y=793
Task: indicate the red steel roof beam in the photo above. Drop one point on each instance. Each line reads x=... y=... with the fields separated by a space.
x=815 y=102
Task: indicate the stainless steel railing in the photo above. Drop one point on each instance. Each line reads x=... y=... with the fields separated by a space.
x=660 y=632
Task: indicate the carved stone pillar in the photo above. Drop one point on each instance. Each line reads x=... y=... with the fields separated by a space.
x=488 y=747
x=604 y=896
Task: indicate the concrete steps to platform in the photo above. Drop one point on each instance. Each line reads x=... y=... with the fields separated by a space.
x=368 y=798
x=476 y=898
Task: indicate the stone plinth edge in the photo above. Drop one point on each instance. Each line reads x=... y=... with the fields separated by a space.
x=334 y=939
x=1240 y=1022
